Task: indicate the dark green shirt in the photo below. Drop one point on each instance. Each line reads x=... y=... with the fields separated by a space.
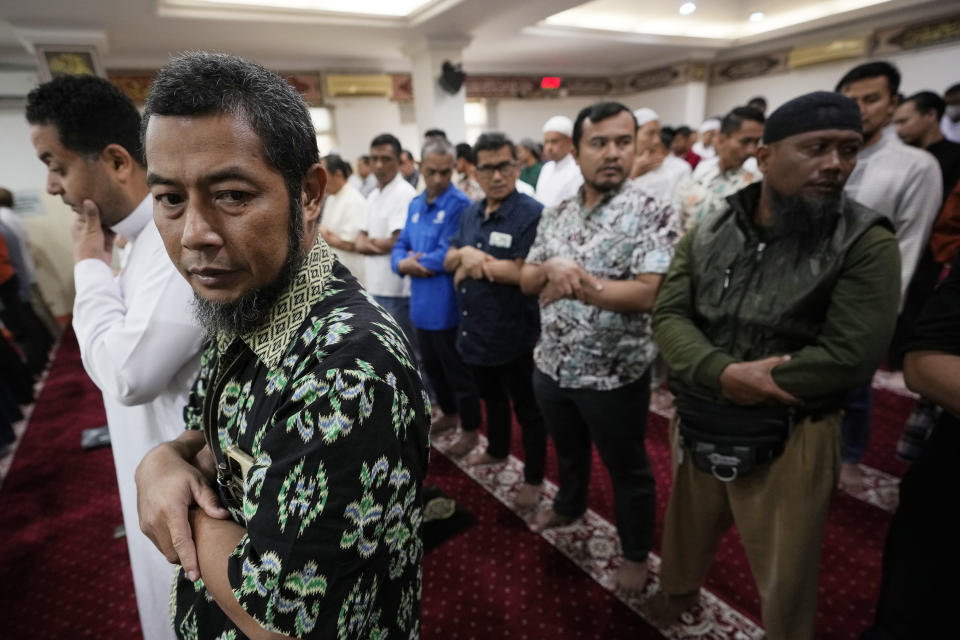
x=531 y=174
x=326 y=400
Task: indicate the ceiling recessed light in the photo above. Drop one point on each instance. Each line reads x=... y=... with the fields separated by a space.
x=687 y=8
x=757 y=16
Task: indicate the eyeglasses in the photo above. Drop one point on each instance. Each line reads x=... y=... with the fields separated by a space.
x=487 y=170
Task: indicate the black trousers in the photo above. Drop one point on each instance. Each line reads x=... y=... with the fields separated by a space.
x=449 y=376
x=498 y=386
x=918 y=591
x=616 y=421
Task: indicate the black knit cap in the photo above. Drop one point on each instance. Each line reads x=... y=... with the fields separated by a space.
x=813 y=112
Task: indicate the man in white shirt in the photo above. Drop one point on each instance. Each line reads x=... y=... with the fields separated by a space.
x=344 y=214
x=655 y=170
x=904 y=184
x=716 y=178
x=560 y=178
x=138 y=338
x=363 y=180
x=707 y=133
x=386 y=216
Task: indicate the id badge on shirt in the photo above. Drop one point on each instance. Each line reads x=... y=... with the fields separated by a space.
x=500 y=239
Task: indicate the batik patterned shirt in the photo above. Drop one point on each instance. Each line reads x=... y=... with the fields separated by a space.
x=706 y=193
x=625 y=235
x=327 y=402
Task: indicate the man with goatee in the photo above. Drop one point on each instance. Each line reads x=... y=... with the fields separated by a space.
x=773 y=309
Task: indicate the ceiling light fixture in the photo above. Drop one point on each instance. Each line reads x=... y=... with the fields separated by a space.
x=757 y=16
x=687 y=8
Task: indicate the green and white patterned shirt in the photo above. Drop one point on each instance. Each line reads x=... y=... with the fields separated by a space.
x=327 y=401
x=706 y=192
x=627 y=234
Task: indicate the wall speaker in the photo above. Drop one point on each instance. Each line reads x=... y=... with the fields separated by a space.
x=451 y=77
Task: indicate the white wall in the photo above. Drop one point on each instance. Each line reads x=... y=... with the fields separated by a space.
x=525 y=118
x=20 y=170
x=932 y=69
x=356 y=121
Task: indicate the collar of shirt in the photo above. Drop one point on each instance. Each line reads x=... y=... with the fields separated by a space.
x=389 y=188
x=506 y=205
x=442 y=201
x=604 y=199
x=131 y=226
x=270 y=341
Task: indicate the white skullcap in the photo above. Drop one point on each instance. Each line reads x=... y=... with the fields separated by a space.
x=645 y=115
x=709 y=125
x=559 y=124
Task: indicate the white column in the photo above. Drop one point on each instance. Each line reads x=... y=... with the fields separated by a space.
x=434 y=107
x=695 y=103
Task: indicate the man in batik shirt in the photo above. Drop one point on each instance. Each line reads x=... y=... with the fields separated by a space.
x=721 y=176
x=308 y=413
x=596 y=264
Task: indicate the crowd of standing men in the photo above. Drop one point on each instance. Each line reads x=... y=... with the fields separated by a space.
x=765 y=264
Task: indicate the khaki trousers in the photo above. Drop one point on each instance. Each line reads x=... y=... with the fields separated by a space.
x=779 y=512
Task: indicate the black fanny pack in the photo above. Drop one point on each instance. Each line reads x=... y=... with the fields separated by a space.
x=731 y=441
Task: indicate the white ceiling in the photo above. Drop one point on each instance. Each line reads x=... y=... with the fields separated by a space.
x=504 y=36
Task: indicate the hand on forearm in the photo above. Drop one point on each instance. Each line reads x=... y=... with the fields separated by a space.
x=411 y=266
x=503 y=271
x=167 y=486
x=565 y=279
x=216 y=540
x=624 y=296
x=750 y=383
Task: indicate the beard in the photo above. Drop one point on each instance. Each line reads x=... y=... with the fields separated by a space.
x=805 y=223
x=252 y=309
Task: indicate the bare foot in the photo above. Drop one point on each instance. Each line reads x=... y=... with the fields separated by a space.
x=851 y=477
x=464 y=444
x=664 y=610
x=528 y=497
x=478 y=458
x=632 y=578
x=443 y=423
x=548 y=519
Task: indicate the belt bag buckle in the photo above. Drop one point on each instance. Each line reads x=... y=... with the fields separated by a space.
x=726 y=464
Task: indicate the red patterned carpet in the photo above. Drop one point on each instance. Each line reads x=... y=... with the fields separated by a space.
x=62 y=574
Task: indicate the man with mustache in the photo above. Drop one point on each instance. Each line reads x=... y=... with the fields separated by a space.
x=773 y=309
x=902 y=183
x=138 y=340
x=596 y=264
x=308 y=416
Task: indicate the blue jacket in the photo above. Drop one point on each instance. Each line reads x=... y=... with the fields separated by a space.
x=433 y=303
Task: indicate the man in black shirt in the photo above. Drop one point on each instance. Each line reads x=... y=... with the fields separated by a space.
x=920 y=561
x=499 y=325
x=918 y=125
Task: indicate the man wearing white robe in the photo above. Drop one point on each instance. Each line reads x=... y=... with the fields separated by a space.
x=344 y=214
x=138 y=338
x=560 y=178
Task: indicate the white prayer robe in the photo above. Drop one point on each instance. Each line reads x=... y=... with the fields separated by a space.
x=558 y=181
x=905 y=184
x=140 y=345
x=345 y=213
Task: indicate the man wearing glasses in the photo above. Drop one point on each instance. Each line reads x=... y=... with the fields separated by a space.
x=499 y=325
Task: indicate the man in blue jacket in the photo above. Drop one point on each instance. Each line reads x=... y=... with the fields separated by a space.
x=433 y=218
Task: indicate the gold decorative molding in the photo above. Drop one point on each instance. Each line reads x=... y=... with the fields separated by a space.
x=752 y=67
x=925 y=34
x=831 y=52
x=135 y=84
